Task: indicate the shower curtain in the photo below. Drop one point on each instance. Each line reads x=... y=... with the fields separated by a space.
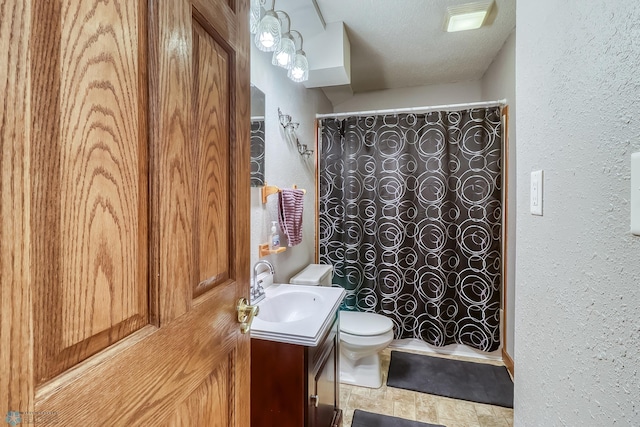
x=410 y=218
x=257 y=152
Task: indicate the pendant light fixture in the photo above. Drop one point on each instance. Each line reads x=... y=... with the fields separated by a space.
x=284 y=54
x=300 y=70
x=273 y=33
x=269 y=31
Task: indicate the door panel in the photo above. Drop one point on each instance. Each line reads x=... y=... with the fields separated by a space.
x=89 y=187
x=172 y=184
x=195 y=411
x=141 y=381
x=101 y=162
x=125 y=212
x=211 y=160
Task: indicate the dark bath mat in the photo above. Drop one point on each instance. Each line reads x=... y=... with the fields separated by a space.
x=368 y=419
x=476 y=382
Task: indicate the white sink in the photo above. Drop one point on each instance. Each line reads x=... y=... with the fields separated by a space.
x=296 y=314
x=290 y=306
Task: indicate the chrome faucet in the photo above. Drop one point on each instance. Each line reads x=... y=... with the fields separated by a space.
x=257 y=290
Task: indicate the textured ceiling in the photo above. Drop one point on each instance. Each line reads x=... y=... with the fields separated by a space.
x=402 y=43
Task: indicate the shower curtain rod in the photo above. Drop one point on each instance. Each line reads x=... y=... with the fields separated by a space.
x=452 y=107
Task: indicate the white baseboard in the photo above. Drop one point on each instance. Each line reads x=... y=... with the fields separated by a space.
x=452 y=349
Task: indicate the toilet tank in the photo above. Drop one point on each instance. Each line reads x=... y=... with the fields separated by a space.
x=314 y=275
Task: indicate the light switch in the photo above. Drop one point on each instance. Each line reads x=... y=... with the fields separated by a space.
x=635 y=194
x=536 y=192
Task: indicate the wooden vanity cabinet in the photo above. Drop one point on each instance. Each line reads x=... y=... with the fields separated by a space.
x=294 y=385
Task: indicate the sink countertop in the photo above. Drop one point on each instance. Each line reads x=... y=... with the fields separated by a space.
x=307 y=331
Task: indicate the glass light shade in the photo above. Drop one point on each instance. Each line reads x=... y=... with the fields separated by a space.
x=256 y=13
x=284 y=55
x=300 y=70
x=268 y=34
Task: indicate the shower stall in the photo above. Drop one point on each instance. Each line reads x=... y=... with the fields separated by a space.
x=411 y=218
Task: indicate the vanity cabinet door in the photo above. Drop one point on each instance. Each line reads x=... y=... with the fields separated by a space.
x=323 y=383
x=278 y=384
x=323 y=399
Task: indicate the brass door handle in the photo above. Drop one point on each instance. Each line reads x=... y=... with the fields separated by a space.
x=246 y=313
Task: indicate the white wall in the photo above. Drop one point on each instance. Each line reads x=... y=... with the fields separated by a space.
x=499 y=82
x=578 y=292
x=283 y=165
x=423 y=96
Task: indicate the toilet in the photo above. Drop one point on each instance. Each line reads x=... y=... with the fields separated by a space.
x=362 y=335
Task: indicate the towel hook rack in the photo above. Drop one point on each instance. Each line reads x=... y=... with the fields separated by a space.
x=268 y=190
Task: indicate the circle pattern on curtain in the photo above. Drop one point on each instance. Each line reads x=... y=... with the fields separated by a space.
x=410 y=218
x=257 y=153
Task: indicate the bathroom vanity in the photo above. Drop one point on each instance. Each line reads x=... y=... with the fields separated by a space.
x=295 y=385
x=294 y=372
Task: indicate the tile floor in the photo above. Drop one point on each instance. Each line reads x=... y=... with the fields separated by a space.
x=419 y=406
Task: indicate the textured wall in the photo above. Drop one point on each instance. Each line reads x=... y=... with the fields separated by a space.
x=499 y=82
x=578 y=282
x=284 y=166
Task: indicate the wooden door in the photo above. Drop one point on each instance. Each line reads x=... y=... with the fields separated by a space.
x=124 y=212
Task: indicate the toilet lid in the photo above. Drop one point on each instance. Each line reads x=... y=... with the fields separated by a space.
x=364 y=324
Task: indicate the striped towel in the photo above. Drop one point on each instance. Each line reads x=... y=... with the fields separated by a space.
x=290 y=214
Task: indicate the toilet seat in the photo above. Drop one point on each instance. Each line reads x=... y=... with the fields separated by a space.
x=366 y=341
x=363 y=324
